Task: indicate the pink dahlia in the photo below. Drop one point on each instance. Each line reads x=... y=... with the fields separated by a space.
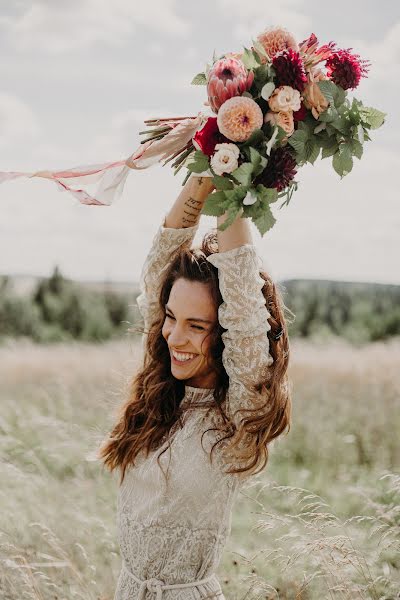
x=276 y=39
x=228 y=77
x=238 y=118
x=289 y=69
x=346 y=69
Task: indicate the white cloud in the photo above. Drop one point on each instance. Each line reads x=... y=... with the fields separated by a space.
x=252 y=17
x=59 y=27
x=18 y=123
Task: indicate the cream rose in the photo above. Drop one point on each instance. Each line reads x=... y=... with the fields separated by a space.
x=283 y=119
x=284 y=98
x=225 y=159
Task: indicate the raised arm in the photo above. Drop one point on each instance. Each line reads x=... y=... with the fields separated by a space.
x=243 y=314
x=178 y=227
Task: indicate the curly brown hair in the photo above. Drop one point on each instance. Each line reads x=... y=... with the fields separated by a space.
x=153 y=409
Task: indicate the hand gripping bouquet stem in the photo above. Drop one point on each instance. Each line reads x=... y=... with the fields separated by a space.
x=270 y=109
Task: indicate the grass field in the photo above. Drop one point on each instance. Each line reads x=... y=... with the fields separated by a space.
x=322 y=520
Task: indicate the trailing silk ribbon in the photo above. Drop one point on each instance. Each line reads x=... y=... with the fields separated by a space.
x=112 y=176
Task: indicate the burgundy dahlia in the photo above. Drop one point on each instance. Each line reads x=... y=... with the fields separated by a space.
x=289 y=69
x=300 y=115
x=346 y=69
x=279 y=171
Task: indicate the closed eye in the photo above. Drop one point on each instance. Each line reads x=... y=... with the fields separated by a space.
x=193 y=326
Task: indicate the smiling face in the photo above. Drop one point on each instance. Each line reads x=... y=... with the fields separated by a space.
x=190 y=316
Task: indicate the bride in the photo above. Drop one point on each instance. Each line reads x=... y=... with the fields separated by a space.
x=210 y=395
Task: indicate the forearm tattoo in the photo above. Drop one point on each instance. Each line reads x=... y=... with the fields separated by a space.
x=191 y=210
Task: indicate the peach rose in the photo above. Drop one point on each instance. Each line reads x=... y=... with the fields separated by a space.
x=314 y=99
x=284 y=98
x=283 y=119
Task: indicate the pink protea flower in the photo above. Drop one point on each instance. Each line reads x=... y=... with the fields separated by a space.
x=275 y=39
x=311 y=54
x=346 y=69
x=228 y=77
x=238 y=118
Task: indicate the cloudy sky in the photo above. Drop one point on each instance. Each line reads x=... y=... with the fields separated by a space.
x=78 y=78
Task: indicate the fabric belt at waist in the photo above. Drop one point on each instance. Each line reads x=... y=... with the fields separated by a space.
x=157 y=586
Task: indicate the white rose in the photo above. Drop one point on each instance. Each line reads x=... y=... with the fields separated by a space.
x=225 y=159
x=285 y=98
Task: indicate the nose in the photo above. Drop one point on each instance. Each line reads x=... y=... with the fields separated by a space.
x=177 y=337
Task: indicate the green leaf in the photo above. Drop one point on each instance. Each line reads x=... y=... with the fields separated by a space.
x=319 y=128
x=249 y=59
x=256 y=138
x=373 y=117
x=328 y=89
x=266 y=221
x=342 y=124
x=215 y=204
x=269 y=195
x=297 y=140
x=342 y=160
x=261 y=74
x=243 y=173
x=259 y=162
x=199 y=162
x=329 y=115
x=222 y=183
x=335 y=94
x=330 y=150
x=231 y=214
x=199 y=79
x=237 y=194
x=255 y=157
x=356 y=148
x=340 y=96
x=311 y=151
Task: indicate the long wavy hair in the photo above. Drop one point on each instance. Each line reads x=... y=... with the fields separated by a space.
x=153 y=407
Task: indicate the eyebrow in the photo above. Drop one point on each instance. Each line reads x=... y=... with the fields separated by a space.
x=190 y=318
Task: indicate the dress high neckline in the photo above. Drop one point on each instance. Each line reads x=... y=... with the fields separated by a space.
x=196 y=393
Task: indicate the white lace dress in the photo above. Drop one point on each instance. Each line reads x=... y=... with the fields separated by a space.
x=171 y=535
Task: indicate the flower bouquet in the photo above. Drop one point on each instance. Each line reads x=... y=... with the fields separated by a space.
x=278 y=106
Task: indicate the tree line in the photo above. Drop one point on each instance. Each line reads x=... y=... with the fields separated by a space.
x=59 y=309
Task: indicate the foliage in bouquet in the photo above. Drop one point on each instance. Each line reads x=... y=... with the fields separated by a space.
x=279 y=105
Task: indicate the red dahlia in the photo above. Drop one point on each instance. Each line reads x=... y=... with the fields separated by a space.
x=289 y=69
x=279 y=171
x=346 y=69
x=208 y=137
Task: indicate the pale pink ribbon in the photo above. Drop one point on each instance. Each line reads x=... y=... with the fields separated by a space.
x=112 y=176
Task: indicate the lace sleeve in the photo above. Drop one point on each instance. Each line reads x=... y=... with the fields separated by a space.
x=165 y=242
x=244 y=315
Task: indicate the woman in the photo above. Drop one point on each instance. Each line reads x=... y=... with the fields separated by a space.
x=209 y=397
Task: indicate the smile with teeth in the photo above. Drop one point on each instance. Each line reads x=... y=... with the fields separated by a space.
x=182 y=357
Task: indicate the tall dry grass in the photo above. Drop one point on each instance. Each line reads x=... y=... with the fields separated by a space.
x=322 y=521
